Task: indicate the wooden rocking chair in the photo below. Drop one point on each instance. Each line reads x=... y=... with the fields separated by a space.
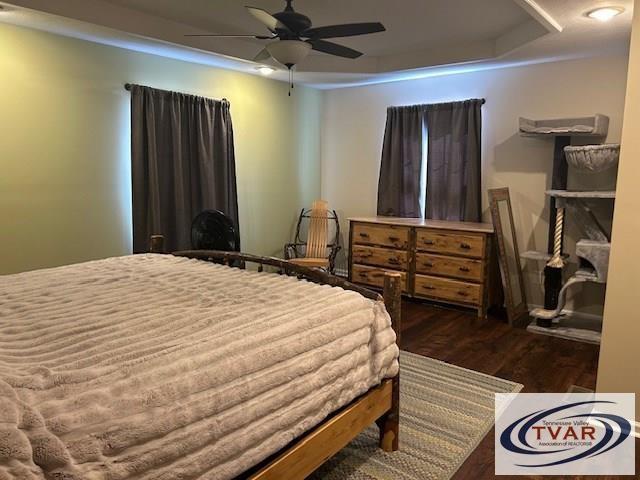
x=317 y=251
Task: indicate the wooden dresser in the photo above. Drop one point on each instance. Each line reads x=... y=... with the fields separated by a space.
x=448 y=262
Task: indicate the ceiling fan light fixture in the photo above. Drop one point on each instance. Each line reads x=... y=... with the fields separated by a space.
x=605 y=14
x=289 y=52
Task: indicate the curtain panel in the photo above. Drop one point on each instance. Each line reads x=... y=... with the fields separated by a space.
x=182 y=162
x=399 y=180
x=454 y=161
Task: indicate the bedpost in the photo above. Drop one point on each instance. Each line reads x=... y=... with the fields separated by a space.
x=389 y=423
x=157 y=244
x=392 y=295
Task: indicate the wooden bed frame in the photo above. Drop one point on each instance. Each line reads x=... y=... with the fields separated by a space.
x=380 y=404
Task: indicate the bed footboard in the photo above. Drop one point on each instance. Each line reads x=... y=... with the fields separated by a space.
x=389 y=423
x=381 y=404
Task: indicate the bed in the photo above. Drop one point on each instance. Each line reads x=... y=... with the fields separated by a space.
x=172 y=366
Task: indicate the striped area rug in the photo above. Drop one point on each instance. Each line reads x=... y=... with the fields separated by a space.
x=445 y=412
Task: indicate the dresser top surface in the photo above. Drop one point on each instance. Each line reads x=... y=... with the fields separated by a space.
x=420 y=222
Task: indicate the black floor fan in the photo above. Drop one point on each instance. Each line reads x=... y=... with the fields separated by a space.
x=213 y=230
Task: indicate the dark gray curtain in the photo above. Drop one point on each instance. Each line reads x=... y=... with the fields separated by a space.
x=454 y=161
x=182 y=162
x=399 y=181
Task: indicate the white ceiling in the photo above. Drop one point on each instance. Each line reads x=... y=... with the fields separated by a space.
x=412 y=25
x=423 y=37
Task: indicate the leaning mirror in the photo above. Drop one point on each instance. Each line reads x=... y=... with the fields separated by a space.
x=508 y=256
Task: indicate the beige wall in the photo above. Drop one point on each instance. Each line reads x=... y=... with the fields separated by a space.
x=619 y=369
x=64 y=147
x=354 y=119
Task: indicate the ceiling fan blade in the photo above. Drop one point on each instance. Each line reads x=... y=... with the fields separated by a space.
x=263 y=55
x=346 y=30
x=268 y=20
x=259 y=37
x=334 y=49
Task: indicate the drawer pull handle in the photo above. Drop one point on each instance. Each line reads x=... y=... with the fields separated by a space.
x=464 y=269
x=394 y=261
x=428 y=287
x=394 y=239
x=362 y=274
x=465 y=246
x=364 y=235
x=428 y=242
x=428 y=264
x=462 y=293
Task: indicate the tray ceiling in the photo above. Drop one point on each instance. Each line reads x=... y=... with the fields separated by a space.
x=416 y=25
x=421 y=34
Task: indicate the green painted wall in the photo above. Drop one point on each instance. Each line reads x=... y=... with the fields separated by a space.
x=64 y=147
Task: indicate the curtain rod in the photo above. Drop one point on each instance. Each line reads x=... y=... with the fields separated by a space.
x=437 y=105
x=482 y=101
x=127 y=87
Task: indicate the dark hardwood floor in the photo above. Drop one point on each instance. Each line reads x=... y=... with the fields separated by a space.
x=539 y=362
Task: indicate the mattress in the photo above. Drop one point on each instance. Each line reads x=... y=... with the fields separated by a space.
x=160 y=367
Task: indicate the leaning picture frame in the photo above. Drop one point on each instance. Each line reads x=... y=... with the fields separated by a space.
x=508 y=257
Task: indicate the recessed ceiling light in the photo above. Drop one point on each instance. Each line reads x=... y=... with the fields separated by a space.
x=266 y=70
x=605 y=14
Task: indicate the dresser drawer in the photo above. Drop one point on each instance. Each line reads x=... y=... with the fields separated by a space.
x=384 y=235
x=380 y=257
x=373 y=276
x=456 y=267
x=464 y=244
x=452 y=290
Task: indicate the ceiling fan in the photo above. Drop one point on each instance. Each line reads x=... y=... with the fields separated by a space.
x=297 y=37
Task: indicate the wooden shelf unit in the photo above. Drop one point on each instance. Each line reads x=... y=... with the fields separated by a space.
x=447 y=262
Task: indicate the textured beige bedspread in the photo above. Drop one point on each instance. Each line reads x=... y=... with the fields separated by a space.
x=153 y=366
